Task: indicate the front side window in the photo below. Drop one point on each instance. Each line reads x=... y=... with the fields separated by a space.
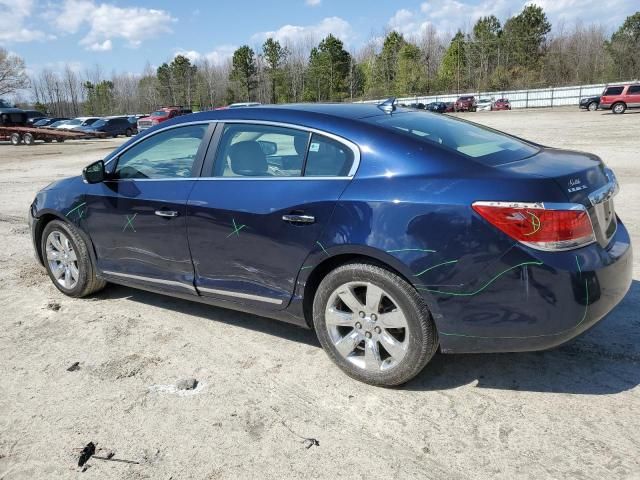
x=248 y=150
x=168 y=154
x=484 y=145
x=328 y=158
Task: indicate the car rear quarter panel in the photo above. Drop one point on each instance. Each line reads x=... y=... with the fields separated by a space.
x=411 y=209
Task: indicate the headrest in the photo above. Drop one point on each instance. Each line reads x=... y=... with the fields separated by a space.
x=300 y=143
x=248 y=159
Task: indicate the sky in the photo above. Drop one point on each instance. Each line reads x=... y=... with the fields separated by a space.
x=122 y=36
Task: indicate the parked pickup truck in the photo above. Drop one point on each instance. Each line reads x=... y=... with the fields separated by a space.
x=161 y=115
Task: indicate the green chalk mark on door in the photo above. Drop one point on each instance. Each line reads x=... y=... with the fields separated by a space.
x=129 y=223
x=475 y=292
x=436 y=266
x=236 y=228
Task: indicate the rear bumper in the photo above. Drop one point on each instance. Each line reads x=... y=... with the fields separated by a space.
x=547 y=306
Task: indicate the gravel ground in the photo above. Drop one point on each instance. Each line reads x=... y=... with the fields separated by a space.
x=263 y=387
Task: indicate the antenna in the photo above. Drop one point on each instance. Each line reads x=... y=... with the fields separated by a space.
x=388 y=106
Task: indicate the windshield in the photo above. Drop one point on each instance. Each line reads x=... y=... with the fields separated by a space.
x=75 y=121
x=89 y=121
x=59 y=122
x=159 y=113
x=99 y=123
x=482 y=144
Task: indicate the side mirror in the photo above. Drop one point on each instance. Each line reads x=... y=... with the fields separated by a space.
x=268 y=148
x=94 y=173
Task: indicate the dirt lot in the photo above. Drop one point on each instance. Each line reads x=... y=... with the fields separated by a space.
x=573 y=412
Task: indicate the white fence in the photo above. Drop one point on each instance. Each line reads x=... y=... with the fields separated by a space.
x=540 y=97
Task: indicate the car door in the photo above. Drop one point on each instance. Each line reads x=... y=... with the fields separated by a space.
x=253 y=218
x=136 y=218
x=633 y=96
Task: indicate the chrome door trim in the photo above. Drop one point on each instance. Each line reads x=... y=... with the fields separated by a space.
x=248 y=296
x=149 y=279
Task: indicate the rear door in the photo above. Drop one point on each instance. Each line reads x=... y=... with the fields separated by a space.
x=266 y=195
x=137 y=218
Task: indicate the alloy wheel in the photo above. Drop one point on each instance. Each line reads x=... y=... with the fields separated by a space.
x=62 y=259
x=366 y=326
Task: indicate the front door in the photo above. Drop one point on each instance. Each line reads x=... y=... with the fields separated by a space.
x=137 y=218
x=255 y=218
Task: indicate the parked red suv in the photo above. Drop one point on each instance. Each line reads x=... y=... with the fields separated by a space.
x=618 y=98
x=161 y=115
x=466 y=103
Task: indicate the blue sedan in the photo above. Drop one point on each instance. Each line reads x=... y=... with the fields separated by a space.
x=391 y=233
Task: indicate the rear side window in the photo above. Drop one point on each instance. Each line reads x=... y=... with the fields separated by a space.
x=482 y=144
x=248 y=150
x=613 y=91
x=327 y=158
x=634 y=90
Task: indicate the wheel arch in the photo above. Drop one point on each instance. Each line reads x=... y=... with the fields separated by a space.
x=46 y=217
x=341 y=257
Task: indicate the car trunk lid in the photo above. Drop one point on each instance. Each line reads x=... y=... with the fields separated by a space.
x=583 y=178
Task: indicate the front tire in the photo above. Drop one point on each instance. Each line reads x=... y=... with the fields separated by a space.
x=592 y=107
x=16 y=139
x=618 y=108
x=66 y=258
x=373 y=324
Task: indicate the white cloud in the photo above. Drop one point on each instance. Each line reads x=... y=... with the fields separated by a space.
x=217 y=56
x=106 y=22
x=313 y=3
x=295 y=33
x=13 y=16
x=100 y=47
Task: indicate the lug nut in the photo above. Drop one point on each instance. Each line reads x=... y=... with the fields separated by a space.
x=367 y=334
x=374 y=317
x=358 y=325
x=377 y=329
x=361 y=314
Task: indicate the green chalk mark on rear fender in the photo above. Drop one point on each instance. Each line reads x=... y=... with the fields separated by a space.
x=436 y=266
x=323 y=249
x=475 y=292
x=578 y=264
x=584 y=317
x=305 y=268
x=425 y=250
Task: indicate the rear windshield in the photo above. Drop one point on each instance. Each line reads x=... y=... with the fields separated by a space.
x=482 y=144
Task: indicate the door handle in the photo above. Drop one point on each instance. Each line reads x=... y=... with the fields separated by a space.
x=299 y=218
x=166 y=213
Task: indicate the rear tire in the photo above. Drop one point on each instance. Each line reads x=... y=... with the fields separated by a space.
x=373 y=324
x=66 y=258
x=618 y=108
x=28 y=139
x=16 y=139
x=129 y=132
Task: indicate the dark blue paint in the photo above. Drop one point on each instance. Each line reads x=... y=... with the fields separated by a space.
x=409 y=207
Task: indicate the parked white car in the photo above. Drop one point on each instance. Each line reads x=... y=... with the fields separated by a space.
x=484 y=104
x=78 y=122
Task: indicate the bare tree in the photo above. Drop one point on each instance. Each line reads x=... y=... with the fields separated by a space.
x=12 y=74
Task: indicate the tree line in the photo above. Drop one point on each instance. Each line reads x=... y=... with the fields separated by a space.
x=521 y=52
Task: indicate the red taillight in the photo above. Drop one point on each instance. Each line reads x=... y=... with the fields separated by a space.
x=538 y=225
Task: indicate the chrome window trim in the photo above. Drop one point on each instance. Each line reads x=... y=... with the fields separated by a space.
x=248 y=296
x=347 y=143
x=149 y=279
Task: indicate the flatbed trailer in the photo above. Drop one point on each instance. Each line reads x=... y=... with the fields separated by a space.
x=29 y=135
